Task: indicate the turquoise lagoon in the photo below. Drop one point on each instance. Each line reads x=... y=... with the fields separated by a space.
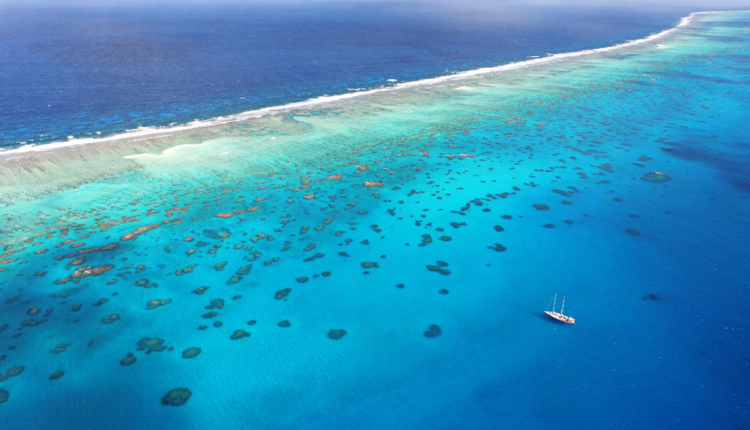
x=463 y=203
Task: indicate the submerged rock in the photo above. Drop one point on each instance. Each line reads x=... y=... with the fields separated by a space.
x=57 y=375
x=336 y=333
x=176 y=397
x=285 y=323
x=4 y=395
x=283 y=293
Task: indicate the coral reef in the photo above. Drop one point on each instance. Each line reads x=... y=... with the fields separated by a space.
x=155 y=303
x=215 y=304
x=128 y=360
x=60 y=348
x=656 y=177
x=433 y=331
x=109 y=319
x=176 y=397
x=239 y=334
x=151 y=344
x=336 y=333
x=13 y=371
x=191 y=352
x=139 y=231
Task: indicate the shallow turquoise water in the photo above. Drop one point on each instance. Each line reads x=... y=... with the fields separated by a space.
x=577 y=136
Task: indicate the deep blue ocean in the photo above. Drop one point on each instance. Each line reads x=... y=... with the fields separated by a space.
x=76 y=71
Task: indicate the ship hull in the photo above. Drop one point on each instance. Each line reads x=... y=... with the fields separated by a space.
x=560 y=317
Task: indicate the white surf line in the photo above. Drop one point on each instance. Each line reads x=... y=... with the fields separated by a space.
x=152 y=132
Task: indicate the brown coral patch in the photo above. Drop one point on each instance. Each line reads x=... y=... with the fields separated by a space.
x=176 y=397
x=433 y=331
x=336 y=334
x=139 y=230
x=656 y=177
x=239 y=334
x=282 y=293
x=153 y=304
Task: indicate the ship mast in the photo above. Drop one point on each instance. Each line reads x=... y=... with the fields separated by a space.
x=562 y=310
x=554 y=301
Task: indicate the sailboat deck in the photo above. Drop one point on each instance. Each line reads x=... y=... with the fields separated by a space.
x=560 y=317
